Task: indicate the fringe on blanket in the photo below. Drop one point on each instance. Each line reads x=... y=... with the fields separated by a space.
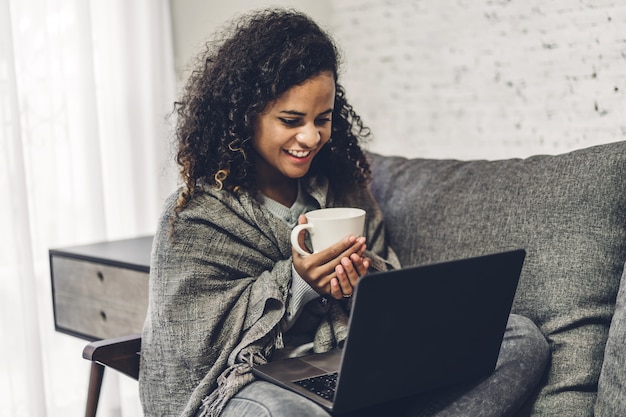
x=229 y=383
x=235 y=378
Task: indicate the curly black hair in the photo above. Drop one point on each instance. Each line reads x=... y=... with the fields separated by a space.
x=258 y=58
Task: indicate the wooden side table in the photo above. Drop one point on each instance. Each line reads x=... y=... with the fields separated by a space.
x=100 y=291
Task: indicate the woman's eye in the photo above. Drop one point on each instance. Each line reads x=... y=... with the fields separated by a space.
x=323 y=121
x=289 y=122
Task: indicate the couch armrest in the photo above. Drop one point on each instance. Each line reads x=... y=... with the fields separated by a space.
x=120 y=353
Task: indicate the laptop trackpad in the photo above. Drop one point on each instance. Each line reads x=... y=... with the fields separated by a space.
x=329 y=361
x=295 y=369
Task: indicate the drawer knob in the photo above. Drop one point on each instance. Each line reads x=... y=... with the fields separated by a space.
x=103 y=315
x=100 y=276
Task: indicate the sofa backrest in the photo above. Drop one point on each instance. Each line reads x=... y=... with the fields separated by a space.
x=568 y=211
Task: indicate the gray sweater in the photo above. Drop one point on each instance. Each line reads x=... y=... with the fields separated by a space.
x=219 y=285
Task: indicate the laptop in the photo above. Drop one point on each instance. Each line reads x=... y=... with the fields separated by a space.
x=411 y=331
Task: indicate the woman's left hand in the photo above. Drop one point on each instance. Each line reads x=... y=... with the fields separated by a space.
x=348 y=273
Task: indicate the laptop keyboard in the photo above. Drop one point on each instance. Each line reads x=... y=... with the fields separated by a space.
x=323 y=385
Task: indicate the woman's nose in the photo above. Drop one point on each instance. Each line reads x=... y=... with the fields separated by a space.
x=308 y=137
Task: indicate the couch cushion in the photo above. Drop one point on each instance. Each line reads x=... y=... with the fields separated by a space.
x=611 y=400
x=568 y=211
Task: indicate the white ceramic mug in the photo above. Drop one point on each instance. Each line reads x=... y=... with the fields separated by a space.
x=328 y=226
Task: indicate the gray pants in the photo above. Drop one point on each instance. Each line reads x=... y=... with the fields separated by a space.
x=521 y=364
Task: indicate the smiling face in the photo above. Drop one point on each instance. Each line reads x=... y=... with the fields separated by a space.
x=288 y=134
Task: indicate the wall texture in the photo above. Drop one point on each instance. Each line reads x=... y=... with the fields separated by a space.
x=485 y=78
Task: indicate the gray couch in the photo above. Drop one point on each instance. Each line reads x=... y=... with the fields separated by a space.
x=569 y=212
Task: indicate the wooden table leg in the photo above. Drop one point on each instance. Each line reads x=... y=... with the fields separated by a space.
x=95 y=383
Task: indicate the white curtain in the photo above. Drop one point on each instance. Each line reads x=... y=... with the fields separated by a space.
x=85 y=89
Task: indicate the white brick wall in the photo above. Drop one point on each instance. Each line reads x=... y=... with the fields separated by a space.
x=485 y=78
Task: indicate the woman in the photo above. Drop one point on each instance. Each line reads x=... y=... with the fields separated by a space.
x=265 y=134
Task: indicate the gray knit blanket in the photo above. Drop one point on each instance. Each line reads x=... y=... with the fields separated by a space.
x=219 y=286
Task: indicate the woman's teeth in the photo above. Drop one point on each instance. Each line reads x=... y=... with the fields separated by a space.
x=299 y=154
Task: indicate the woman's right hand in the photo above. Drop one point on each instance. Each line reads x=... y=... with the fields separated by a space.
x=336 y=270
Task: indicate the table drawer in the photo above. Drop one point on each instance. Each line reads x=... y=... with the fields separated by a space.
x=94 y=319
x=95 y=301
x=97 y=280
